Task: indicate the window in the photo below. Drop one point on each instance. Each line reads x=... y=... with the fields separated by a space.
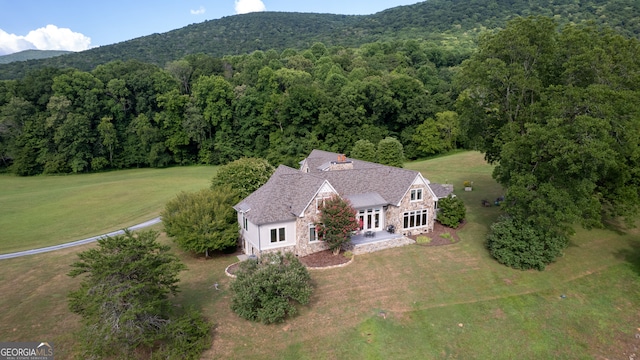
x=245 y=223
x=414 y=219
x=313 y=235
x=320 y=202
x=278 y=235
x=416 y=194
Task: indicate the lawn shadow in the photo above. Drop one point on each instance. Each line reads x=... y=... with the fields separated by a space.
x=616 y=226
x=631 y=254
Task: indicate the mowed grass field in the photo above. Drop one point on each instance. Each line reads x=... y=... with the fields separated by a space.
x=415 y=302
x=49 y=210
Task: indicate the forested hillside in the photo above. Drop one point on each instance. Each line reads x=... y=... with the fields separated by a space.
x=455 y=23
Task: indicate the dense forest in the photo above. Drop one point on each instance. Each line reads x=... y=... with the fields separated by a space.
x=203 y=109
x=452 y=23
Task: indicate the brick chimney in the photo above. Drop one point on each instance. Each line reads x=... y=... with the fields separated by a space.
x=341 y=164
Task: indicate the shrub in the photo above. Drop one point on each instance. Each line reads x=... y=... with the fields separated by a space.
x=447 y=236
x=522 y=246
x=267 y=289
x=423 y=239
x=451 y=211
x=348 y=254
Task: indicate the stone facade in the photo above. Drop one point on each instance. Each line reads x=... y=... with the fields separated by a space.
x=370 y=247
x=394 y=214
x=303 y=245
x=341 y=165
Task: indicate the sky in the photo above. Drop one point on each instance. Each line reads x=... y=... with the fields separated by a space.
x=78 y=25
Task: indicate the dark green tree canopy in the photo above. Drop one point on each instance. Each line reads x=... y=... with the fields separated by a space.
x=524 y=246
x=364 y=150
x=557 y=112
x=390 y=152
x=124 y=300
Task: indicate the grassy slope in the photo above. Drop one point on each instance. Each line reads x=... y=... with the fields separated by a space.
x=47 y=210
x=425 y=292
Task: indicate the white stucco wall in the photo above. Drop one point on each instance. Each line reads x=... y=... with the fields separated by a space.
x=265 y=236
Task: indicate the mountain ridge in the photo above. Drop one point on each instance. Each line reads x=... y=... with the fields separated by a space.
x=431 y=20
x=31 y=54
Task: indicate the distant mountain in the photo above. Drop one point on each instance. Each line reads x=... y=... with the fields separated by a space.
x=448 y=21
x=31 y=55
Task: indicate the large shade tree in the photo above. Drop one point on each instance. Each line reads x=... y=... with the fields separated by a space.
x=202 y=221
x=243 y=176
x=558 y=113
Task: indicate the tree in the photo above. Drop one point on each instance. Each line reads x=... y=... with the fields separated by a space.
x=428 y=138
x=390 y=152
x=244 y=175
x=268 y=288
x=558 y=115
x=109 y=136
x=451 y=211
x=336 y=222
x=202 y=221
x=124 y=298
x=364 y=150
x=13 y=117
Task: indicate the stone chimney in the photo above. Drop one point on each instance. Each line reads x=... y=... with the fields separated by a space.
x=341 y=164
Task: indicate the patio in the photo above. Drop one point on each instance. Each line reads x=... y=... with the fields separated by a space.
x=363 y=238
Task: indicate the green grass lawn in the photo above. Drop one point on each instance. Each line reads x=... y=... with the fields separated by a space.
x=445 y=302
x=48 y=210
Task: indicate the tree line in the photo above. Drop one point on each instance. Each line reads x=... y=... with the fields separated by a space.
x=207 y=110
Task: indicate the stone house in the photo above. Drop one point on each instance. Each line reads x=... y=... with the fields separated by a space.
x=390 y=202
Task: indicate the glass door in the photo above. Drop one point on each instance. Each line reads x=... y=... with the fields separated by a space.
x=370 y=219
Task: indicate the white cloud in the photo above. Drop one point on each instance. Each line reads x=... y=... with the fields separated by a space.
x=49 y=37
x=10 y=43
x=248 y=6
x=200 y=11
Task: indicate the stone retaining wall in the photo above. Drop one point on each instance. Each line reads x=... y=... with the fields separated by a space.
x=378 y=245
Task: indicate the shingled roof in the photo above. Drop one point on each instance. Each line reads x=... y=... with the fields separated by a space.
x=289 y=191
x=441 y=190
x=389 y=182
x=319 y=160
x=284 y=196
